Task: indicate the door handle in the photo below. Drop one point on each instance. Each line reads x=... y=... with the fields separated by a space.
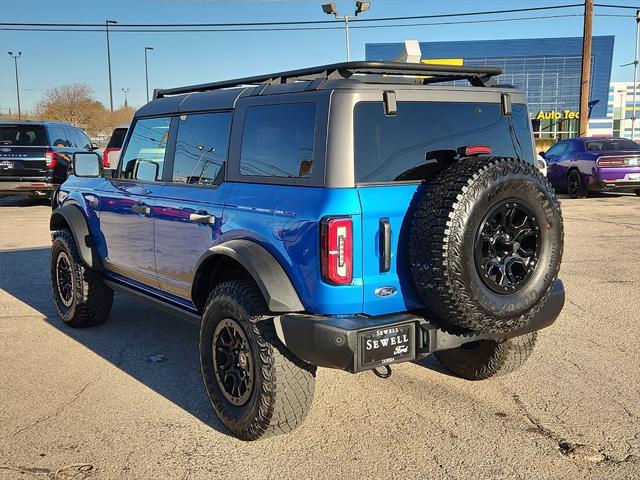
x=385 y=245
x=202 y=218
x=141 y=208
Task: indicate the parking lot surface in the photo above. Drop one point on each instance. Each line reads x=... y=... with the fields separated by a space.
x=125 y=399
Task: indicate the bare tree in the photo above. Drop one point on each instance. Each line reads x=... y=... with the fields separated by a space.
x=72 y=103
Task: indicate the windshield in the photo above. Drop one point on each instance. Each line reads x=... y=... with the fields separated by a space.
x=395 y=148
x=612 y=144
x=22 y=135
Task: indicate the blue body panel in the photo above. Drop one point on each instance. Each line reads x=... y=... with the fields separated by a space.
x=390 y=202
x=159 y=253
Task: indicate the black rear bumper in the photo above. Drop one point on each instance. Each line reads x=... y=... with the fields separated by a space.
x=336 y=342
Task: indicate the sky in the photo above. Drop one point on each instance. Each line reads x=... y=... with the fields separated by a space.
x=50 y=59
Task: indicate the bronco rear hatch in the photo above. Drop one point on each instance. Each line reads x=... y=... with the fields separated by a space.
x=393 y=154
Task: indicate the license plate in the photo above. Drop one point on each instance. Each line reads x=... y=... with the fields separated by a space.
x=6 y=165
x=387 y=345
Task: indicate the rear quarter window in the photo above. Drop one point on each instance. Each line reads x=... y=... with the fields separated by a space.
x=278 y=141
x=387 y=148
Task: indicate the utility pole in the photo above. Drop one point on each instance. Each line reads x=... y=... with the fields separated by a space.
x=585 y=84
x=331 y=9
x=635 y=78
x=15 y=61
x=106 y=25
x=125 y=90
x=146 y=71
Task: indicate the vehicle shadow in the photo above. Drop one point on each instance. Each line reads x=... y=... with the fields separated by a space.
x=157 y=349
x=23 y=201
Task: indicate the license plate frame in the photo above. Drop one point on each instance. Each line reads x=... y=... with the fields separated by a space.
x=387 y=345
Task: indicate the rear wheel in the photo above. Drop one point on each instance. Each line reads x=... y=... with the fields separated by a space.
x=575 y=185
x=488 y=358
x=81 y=297
x=637 y=191
x=255 y=385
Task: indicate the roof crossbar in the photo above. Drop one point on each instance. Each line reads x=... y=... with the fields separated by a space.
x=363 y=71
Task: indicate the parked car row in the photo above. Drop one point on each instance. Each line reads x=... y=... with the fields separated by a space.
x=35 y=157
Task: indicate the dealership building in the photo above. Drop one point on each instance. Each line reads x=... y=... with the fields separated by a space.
x=548 y=70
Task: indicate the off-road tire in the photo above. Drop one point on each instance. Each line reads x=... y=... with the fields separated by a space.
x=580 y=190
x=488 y=358
x=283 y=385
x=91 y=300
x=448 y=213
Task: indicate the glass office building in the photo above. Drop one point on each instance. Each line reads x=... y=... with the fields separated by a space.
x=547 y=69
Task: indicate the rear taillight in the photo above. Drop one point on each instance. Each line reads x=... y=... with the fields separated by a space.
x=475 y=150
x=618 y=162
x=107 y=151
x=337 y=250
x=50 y=158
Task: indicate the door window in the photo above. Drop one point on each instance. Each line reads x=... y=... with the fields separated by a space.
x=201 y=148
x=278 y=141
x=146 y=146
x=58 y=137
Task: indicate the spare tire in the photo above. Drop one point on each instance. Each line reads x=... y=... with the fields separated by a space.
x=485 y=243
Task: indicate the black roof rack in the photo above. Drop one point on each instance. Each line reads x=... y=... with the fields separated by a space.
x=477 y=76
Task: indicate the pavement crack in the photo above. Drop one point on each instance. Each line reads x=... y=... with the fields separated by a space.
x=58 y=410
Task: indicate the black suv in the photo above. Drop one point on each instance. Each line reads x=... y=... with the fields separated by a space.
x=35 y=156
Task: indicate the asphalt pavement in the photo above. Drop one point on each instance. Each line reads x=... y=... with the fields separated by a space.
x=125 y=400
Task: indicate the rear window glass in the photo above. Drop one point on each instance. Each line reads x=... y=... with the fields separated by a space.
x=277 y=140
x=117 y=138
x=612 y=144
x=27 y=135
x=389 y=148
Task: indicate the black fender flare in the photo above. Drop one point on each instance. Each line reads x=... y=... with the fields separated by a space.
x=77 y=222
x=265 y=270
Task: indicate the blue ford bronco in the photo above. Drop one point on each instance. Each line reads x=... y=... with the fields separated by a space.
x=348 y=216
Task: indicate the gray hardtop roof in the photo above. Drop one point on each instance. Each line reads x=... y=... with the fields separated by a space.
x=225 y=99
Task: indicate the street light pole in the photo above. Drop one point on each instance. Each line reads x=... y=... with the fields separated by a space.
x=15 y=61
x=125 y=90
x=106 y=25
x=331 y=9
x=146 y=71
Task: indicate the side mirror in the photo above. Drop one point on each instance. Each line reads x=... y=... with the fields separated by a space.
x=93 y=147
x=87 y=164
x=146 y=170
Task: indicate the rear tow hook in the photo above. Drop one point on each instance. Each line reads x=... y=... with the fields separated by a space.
x=386 y=373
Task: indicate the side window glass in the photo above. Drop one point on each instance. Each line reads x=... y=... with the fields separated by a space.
x=278 y=140
x=58 y=137
x=83 y=141
x=201 y=148
x=146 y=146
x=71 y=136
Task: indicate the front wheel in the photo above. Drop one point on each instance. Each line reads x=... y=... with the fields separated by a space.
x=488 y=358
x=256 y=386
x=81 y=297
x=575 y=185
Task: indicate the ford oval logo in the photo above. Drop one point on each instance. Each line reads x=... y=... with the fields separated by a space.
x=386 y=291
x=5 y=149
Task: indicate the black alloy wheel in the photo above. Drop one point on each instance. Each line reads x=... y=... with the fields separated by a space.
x=575 y=185
x=64 y=279
x=232 y=362
x=507 y=246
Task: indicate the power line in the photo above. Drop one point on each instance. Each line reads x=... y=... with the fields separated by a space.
x=606 y=5
x=287 y=29
x=122 y=26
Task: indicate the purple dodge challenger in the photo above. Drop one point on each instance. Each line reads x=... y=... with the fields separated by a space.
x=583 y=165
